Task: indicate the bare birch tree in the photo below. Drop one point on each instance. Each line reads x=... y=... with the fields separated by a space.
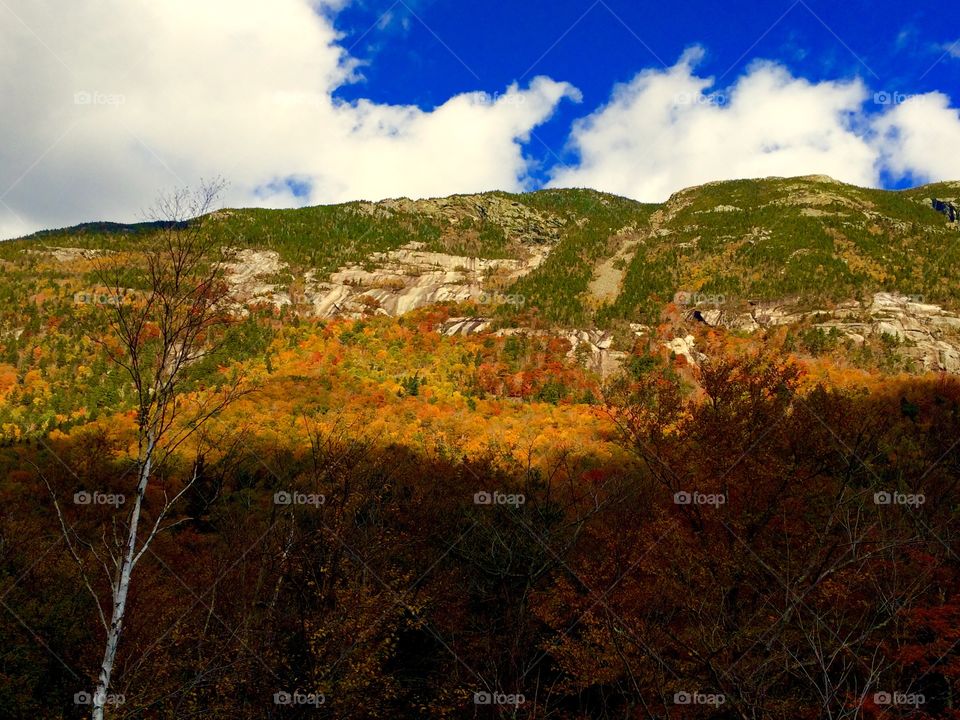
x=155 y=338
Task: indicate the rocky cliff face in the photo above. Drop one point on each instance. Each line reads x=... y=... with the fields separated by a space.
x=390 y=283
x=923 y=332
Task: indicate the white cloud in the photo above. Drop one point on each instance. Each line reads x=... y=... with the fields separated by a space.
x=921 y=138
x=952 y=49
x=670 y=129
x=107 y=102
x=664 y=131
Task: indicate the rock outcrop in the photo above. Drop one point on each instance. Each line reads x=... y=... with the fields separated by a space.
x=465 y=326
x=685 y=347
x=921 y=331
x=593 y=348
x=949 y=208
x=248 y=273
x=518 y=221
x=391 y=283
x=403 y=280
x=68 y=254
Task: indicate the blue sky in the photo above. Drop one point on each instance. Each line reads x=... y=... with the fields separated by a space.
x=424 y=51
x=299 y=102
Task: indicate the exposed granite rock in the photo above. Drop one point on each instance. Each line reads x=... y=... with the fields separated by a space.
x=686 y=347
x=246 y=275
x=821 y=179
x=924 y=332
x=68 y=254
x=390 y=283
x=720 y=209
x=465 y=326
x=408 y=278
x=593 y=347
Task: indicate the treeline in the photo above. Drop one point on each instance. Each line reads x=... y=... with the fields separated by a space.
x=769 y=552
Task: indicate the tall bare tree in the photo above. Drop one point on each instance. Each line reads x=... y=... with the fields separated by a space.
x=155 y=337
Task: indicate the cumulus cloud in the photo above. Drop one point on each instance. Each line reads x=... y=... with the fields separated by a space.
x=106 y=102
x=664 y=131
x=920 y=138
x=670 y=129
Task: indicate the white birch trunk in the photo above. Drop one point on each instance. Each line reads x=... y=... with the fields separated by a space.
x=121 y=588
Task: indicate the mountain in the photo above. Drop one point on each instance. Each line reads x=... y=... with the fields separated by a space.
x=588 y=258
x=870 y=276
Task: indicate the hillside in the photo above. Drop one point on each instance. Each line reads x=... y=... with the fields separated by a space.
x=869 y=276
x=561 y=454
x=586 y=258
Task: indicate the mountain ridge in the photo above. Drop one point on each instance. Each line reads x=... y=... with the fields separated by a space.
x=116 y=226
x=586 y=257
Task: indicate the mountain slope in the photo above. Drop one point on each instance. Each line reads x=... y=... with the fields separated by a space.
x=868 y=277
x=600 y=258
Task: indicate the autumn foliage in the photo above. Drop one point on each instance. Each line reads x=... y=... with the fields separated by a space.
x=729 y=541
